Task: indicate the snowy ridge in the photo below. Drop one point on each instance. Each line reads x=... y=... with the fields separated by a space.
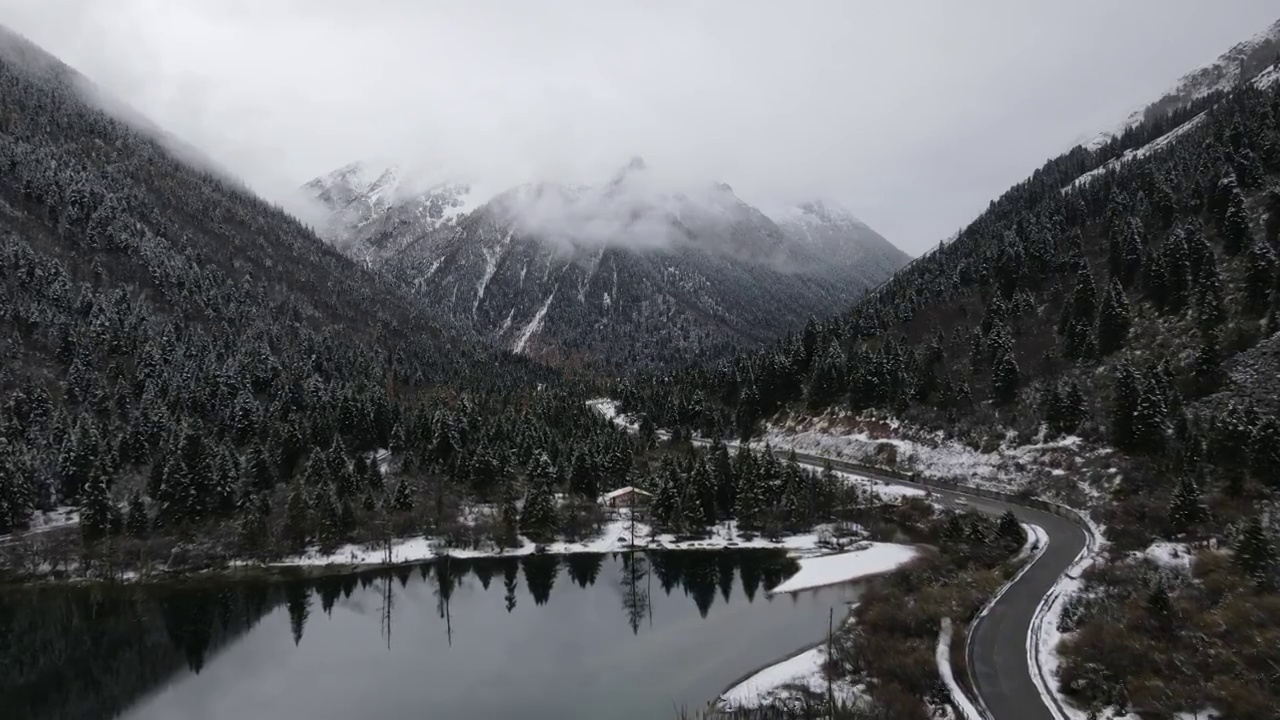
x=697 y=268
x=1137 y=153
x=1252 y=55
x=1264 y=79
x=371 y=213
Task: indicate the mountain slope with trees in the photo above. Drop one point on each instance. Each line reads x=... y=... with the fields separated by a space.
x=1137 y=308
x=179 y=353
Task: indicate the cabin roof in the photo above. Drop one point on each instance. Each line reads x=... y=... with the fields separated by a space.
x=626 y=491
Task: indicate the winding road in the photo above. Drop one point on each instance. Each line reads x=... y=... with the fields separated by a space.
x=997 y=651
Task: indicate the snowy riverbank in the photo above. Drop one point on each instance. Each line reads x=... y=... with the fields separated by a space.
x=615 y=536
x=803 y=672
x=865 y=560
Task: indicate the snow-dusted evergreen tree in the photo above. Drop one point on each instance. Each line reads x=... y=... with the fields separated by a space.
x=402 y=500
x=1264 y=451
x=1260 y=278
x=252 y=530
x=538 y=519
x=297 y=515
x=1186 y=510
x=508 y=519
x=1255 y=553
x=137 y=522
x=1010 y=530
x=703 y=483
x=1235 y=218
x=1005 y=378
x=96 y=508
x=1113 y=319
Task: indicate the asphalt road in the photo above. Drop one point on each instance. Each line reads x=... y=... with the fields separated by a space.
x=997 y=650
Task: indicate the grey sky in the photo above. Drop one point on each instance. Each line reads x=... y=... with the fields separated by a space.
x=913 y=114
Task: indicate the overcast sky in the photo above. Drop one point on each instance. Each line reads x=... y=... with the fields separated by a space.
x=913 y=114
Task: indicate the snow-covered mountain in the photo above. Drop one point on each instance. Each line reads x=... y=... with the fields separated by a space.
x=1245 y=61
x=630 y=272
x=373 y=212
x=840 y=240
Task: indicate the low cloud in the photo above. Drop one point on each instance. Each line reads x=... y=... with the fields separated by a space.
x=914 y=115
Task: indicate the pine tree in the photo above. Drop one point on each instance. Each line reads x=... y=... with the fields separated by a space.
x=1131 y=260
x=704 y=487
x=666 y=502
x=137 y=523
x=1207 y=364
x=726 y=482
x=1186 y=511
x=1235 y=223
x=1149 y=426
x=1005 y=378
x=1255 y=554
x=508 y=520
x=1264 y=451
x=402 y=499
x=259 y=469
x=1113 y=320
x=1160 y=604
x=252 y=529
x=1209 y=304
x=1010 y=530
x=583 y=477
x=828 y=381
x=297 y=515
x=1124 y=404
x=1073 y=409
x=1260 y=278
x=96 y=509
x=538 y=516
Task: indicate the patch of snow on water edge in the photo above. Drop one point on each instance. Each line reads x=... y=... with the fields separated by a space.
x=867 y=559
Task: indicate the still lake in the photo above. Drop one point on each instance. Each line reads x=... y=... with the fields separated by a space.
x=537 y=638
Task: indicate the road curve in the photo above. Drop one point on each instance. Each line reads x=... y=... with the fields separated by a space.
x=996 y=653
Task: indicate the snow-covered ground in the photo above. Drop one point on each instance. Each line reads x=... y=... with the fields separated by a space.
x=870 y=558
x=931 y=454
x=1166 y=554
x=943 y=657
x=615 y=536
x=1037 y=541
x=46 y=520
x=803 y=671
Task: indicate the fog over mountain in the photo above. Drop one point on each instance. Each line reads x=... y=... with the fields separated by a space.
x=784 y=102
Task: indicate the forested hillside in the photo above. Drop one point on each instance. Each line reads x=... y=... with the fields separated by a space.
x=1146 y=284
x=1127 y=295
x=177 y=352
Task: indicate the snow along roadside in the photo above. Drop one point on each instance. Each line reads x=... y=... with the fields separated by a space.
x=1037 y=542
x=1043 y=637
x=943 y=657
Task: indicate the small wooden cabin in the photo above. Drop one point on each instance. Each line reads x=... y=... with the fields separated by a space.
x=627 y=497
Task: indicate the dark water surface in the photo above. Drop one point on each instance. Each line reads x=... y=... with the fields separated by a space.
x=542 y=638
